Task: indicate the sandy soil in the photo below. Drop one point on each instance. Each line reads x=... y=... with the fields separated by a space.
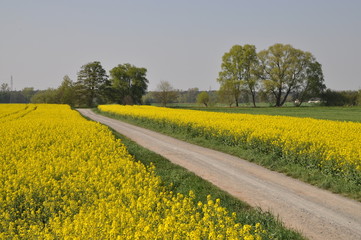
x=316 y=213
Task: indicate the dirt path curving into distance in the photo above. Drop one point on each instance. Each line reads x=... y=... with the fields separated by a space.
x=316 y=213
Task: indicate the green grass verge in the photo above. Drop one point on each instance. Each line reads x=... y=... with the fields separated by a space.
x=314 y=176
x=180 y=180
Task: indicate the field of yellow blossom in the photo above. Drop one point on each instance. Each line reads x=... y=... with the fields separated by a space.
x=63 y=177
x=332 y=146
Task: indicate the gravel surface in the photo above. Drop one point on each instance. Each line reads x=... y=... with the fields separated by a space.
x=316 y=213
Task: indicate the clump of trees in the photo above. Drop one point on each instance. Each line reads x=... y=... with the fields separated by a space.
x=7 y=95
x=341 y=98
x=126 y=85
x=278 y=72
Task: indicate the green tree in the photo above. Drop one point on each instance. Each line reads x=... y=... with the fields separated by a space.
x=313 y=84
x=285 y=69
x=27 y=92
x=203 y=98
x=238 y=71
x=129 y=83
x=225 y=93
x=250 y=78
x=165 y=93
x=46 y=96
x=4 y=93
x=191 y=95
x=92 y=84
x=66 y=92
x=340 y=98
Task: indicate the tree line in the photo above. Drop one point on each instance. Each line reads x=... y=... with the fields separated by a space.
x=278 y=74
x=125 y=85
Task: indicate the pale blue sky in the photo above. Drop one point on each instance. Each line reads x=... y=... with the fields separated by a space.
x=177 y=41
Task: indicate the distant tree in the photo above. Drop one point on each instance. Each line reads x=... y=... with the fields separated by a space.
x=4 y=87
x=250 y=77
x=313 y=85
x=285 y=69
x=340 y=98
x=359 y=98
x=165 y=93
x=66 y=92
x=148 y=98
x=92 y=84
x=213 y=97
x=225 y=94
x=4 y=93
x=191 y=95
x=28 y=92
x=129 y=84
x=203 y=98
x=46 y=96
x=238 y=71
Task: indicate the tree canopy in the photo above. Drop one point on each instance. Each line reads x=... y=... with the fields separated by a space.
x=285 y=69
x=92 y=83
x=238 y=71
x=203 y=98
x=129 y=83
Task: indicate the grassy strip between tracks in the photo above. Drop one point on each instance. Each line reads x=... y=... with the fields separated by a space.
x=314 y=176
x=180 y=180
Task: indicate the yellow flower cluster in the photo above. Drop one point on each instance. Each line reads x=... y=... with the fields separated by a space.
x=326 y=144
x=63 y=177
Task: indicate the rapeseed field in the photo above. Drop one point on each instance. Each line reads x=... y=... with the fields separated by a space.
x=63 y=177
x=331 y=146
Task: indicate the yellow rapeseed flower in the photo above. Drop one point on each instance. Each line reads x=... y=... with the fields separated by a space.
x=63 y=177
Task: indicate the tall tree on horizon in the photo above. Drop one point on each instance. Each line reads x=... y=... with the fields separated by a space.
x=129 y=84
x=285 y=69
x=313 y=85
x=66 y=91
x=92 y=83
x=237 y=72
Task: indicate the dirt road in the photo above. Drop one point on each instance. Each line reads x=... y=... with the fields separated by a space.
x=316 y=213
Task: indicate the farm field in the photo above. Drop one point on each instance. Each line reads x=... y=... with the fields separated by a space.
x=326 y=113
x=65 y=177
x=316 y=213
x=324 y=153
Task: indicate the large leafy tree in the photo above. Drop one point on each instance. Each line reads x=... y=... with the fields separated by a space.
x=225 y=93
x=92 y=84
x=285 y=69
x=238 y=71
x=66 y=91
x=313 y=84
x=129 y=83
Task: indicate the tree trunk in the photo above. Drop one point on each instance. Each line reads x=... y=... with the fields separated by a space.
x=285 y=97
x=278 y=99
x=253 y=98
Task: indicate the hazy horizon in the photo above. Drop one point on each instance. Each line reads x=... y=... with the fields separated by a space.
x=181 y=42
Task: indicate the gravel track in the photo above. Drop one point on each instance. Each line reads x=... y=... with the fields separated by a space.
x=316 y=213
